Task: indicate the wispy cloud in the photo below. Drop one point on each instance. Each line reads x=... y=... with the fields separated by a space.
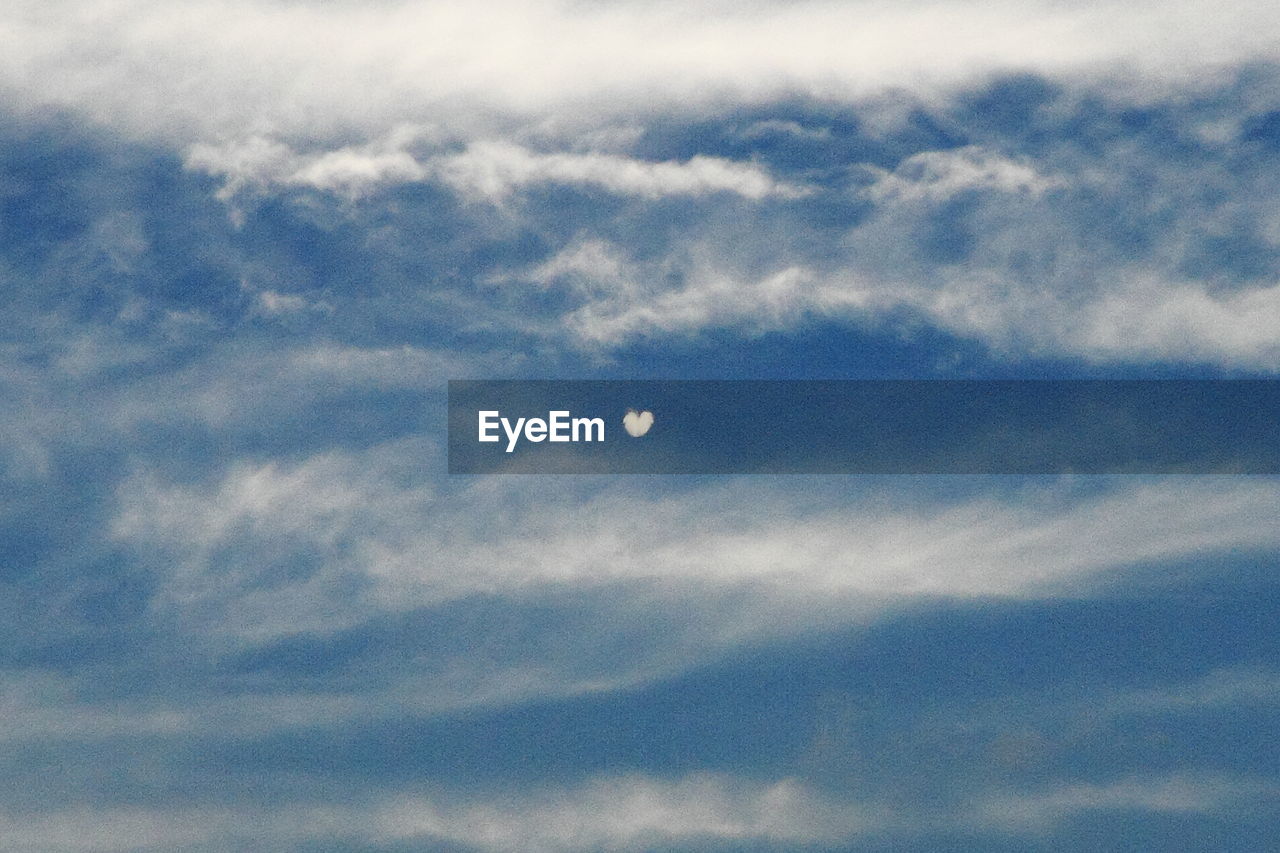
x=494 y=170
x=634 y=813
x=411 y=545
x=939 y=175
x=260 y=163
x=1062 y=255
x=1171 y=795
x=1138 y=316
x=619 y=813
x=485 y=170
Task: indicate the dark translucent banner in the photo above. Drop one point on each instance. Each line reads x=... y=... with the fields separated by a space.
x=865 y=427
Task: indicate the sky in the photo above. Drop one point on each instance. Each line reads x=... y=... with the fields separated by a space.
x=244 y=245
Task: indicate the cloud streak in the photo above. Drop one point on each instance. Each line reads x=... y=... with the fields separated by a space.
x=621 y=813
x=411 y=546
x=489 y=171
x=939 y=175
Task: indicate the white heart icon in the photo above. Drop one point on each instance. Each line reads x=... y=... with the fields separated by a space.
x=637 y=423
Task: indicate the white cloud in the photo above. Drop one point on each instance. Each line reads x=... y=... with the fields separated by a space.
x=620 y=300
x=275 y=514
x=1135 y=314
x=1032 y=810
x=593 y=267
x=271 y=303
x=784 y=127
x=235 y=388
x=486 y=170
x=632 y=813
x=348 y=171
x=259 y=164
x=117 y=829
x=707 y=299
x=267 y=551
x=1223 y=688
x=495 y=169
x=1038 y=275
x=617 y=813
x=225 y=69
x=1139 y=315
x=408 y=546
x=613 y=813
x=249 y=385
x=938 y=175
x=349 y=98
x=1179 y=321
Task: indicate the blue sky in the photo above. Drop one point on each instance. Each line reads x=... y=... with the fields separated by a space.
x=245 y=243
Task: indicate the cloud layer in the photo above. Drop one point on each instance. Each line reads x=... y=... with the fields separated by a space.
x=231 y=67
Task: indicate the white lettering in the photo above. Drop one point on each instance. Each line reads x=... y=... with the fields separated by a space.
x=587 y=424
x=487 y=423
x=512 y=434
x=559 y=422
x=559 y=426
